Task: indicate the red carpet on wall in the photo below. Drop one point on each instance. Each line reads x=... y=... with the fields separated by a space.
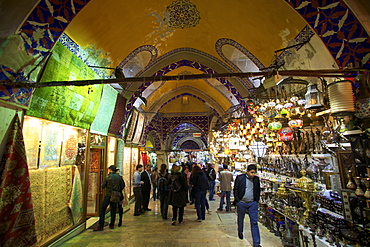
x=17 y=225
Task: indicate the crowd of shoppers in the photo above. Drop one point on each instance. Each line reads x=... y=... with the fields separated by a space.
x=187 y=184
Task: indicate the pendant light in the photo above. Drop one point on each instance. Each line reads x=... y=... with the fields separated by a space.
x=313 y=97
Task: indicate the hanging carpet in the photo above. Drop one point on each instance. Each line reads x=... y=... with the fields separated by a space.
x=17 y=225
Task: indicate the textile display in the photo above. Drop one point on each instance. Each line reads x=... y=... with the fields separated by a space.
x=144 y=158
x=50 y=146
x=76 y=106
x=57 y=194
x=126 y=169
x=131 y=125
x=32 y=137
x=120 y=155
x=38 y=181
x=76 y=199
x=102 y=120
x=52 y=190
x=17 y=224
x=139 y=129
x=69 y=147
x=118 y=116
x=92 y=187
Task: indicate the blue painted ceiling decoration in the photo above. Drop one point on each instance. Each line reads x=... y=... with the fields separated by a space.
x=332 y=20
x=339 y=29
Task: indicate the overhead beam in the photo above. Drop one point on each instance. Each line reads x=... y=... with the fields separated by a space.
x=302 y=73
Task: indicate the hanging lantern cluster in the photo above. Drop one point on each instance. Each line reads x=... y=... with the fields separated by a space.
x=272 y=122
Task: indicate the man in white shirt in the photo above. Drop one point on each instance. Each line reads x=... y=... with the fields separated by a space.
x=225 y=178
x=136 y=184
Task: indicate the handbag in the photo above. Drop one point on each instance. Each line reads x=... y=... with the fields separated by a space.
x=115 y=196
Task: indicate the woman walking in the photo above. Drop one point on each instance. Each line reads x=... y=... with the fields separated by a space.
x=178 y=194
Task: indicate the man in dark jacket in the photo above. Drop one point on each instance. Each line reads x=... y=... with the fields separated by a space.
x=212 y=181
x=146 y=187
x=200 y=185
x=247 y=194
x=112 y=181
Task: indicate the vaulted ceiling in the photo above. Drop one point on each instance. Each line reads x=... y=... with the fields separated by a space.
x=160 y=38
x=194 y=37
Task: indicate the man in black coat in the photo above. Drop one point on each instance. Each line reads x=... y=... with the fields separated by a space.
x=146 y=187
x=247 y=194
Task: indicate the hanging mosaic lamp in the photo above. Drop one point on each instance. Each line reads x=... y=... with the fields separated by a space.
x=271 y=104
x=286 y=134
x=261 y=109
x=279 y=107
x=275 y=125
x=288 y=105
x=284 y=111
x=301 y=102
x=295 y=123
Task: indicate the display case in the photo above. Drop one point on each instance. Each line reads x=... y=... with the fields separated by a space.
x=56 y=159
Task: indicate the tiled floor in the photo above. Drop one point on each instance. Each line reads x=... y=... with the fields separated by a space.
x=218 y=230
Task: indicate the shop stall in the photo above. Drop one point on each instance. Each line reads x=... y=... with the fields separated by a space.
x=311 y=147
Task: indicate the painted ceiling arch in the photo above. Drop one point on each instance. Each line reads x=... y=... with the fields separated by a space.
x=119 y=27
x=201 y=61
x=226 y=87
x=184 y=133
x=179 y=98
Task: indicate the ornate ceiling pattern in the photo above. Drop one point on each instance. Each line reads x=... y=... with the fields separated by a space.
x=189 y=34
x=338 y=28
x=182 y=14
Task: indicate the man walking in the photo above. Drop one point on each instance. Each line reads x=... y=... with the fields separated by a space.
x=112 y=182
x=146 y=187
x=247 y=194
x=225 y=178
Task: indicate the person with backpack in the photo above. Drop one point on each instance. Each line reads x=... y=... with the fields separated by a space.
x=211 y=172
x=200 y=185
x=178 y=194
x=163 y=181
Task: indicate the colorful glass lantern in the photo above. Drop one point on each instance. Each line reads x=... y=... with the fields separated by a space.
x=284 y=111
x=279 y=107
x=295 y=123
x=274 y=126
x=286 y=134
x=313 y=97
x=288 y=105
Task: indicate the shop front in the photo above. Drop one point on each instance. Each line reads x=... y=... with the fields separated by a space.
x=311 y=152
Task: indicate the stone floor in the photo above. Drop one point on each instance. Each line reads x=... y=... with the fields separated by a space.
x=218 y=230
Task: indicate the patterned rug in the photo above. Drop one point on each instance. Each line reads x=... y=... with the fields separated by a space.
x=17 y=225
x=76 y=200
x=38 y=180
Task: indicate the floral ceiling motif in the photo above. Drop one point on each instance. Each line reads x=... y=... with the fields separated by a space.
x=182 y=13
